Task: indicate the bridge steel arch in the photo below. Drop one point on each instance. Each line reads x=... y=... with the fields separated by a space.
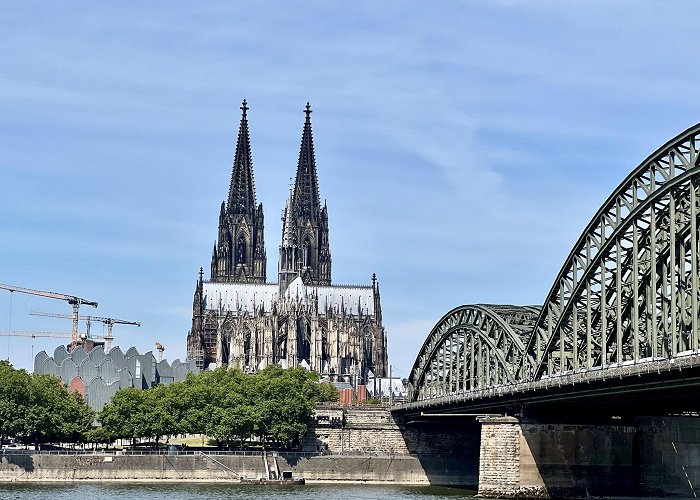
x=628 y=291
x=471 y=347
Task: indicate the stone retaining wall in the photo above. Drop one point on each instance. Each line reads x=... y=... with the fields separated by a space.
x=372 y=469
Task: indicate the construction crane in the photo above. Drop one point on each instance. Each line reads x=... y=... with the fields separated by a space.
x=35 y=335
x=71 y=299
x=160 y=348
x=110 y=322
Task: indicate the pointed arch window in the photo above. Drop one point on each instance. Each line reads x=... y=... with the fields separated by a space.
x=241 y=247
x=246 y=346
x=306 y=253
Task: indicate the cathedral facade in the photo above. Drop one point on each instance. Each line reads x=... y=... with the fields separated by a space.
x=240 y=319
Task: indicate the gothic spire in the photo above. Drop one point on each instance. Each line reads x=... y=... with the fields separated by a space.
x=240 y=248
x=305 y=250
x=241 y=194
x=288 y=227
x=306 y=201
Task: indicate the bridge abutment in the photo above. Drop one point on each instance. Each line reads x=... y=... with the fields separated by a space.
x=507 y=468
x=657 y=456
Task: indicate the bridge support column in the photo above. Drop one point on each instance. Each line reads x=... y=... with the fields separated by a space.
x=507 y=468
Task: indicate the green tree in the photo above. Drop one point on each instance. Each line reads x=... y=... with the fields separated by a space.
x=125 y=416
x=327 y=393
x=286 y=405
x=53 y=414
x=162 y=412
x=228 y=405
x=14 y=399
x=98 y=435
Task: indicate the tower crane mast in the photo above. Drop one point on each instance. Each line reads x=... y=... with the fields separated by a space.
x=74 y=301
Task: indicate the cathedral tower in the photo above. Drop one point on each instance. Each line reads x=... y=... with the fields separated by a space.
x=305 y=250
x=240 y=320
x=239 y=253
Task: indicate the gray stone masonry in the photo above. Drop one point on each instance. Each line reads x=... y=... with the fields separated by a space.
x=659 y=456
x=355 y=430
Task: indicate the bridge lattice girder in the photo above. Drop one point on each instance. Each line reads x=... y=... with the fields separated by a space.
x=471 y=347
x=629 y=291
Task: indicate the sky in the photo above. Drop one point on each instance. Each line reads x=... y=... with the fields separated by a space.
x=461 y=146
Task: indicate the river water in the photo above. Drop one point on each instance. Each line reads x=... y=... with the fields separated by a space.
x=197 y=491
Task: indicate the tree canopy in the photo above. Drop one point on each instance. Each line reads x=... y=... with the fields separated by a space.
x=40 y=409
x=274 y=405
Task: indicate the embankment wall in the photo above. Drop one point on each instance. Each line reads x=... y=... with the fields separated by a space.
x=364 y=444
x=399 y=469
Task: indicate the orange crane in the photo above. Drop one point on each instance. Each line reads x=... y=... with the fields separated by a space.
x=110 y=322
x=74 y=301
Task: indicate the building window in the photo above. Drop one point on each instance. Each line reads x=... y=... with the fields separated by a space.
x=241 y=250
x=306 y=253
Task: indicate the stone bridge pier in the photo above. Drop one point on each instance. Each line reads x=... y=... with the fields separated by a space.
x=653 y=456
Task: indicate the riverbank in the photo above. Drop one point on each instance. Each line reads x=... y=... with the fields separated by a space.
x=369 y=469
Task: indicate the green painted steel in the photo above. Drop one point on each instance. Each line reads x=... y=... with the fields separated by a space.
x=472 y=347
x=627 y=293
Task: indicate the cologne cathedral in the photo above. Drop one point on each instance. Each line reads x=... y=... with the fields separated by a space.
x=240 y=319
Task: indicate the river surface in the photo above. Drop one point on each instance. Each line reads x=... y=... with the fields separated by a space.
x=197 y=491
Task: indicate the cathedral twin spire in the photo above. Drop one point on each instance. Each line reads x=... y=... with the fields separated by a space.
x=239 y=254
x=306 y=200
x=241 y=193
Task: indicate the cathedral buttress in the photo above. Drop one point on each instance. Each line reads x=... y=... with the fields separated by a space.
x=305 y=249
x=239 y=253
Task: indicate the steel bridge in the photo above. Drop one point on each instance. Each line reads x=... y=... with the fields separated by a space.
x=622 y=316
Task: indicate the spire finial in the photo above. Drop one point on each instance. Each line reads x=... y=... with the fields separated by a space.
x=245 y=108
x=374 y=279
x=201 y=274
x=307 y=110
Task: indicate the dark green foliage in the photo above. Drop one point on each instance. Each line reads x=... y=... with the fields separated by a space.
x=99 y=435
x=39 y=409
x=14 y=399
x=231 y=407
x=328 y=393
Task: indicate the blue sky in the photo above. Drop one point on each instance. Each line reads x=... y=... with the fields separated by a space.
x=461 y=146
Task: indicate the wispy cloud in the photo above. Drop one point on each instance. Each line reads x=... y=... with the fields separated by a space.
x=462 y=146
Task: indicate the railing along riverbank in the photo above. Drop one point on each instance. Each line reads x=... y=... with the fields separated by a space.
x=223 y=453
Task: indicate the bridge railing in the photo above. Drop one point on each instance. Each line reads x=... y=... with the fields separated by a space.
x=686 y=359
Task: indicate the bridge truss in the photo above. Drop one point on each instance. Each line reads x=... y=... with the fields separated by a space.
x=628 y=293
